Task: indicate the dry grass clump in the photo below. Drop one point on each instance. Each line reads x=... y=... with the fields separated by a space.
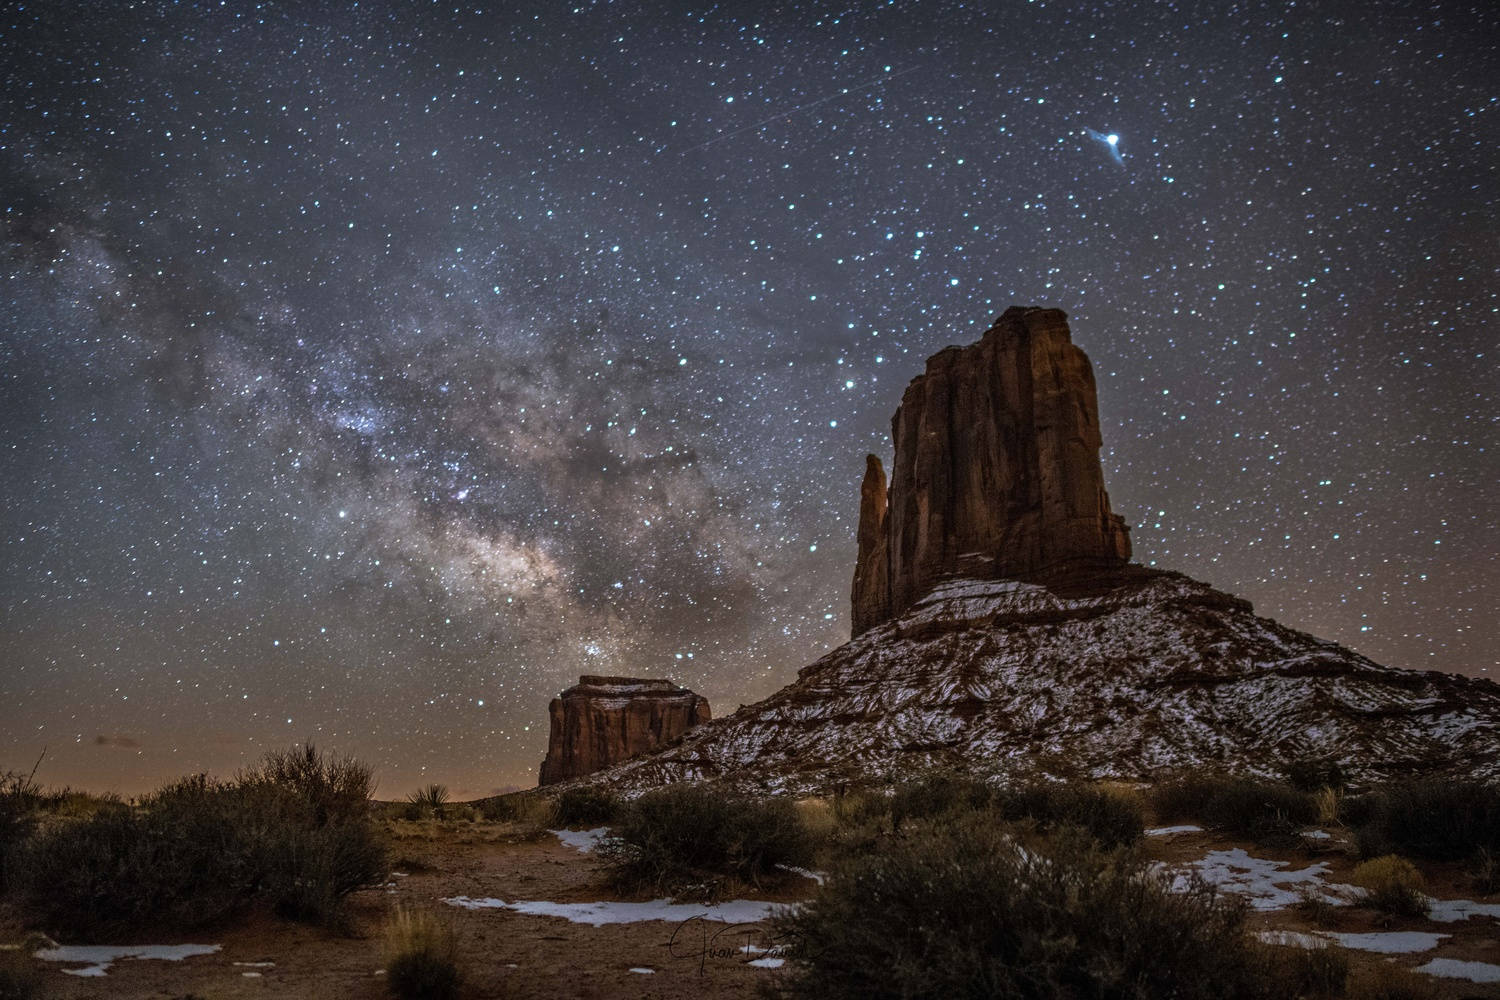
x=295 y=832
x=1392 y=885
x=421 y=956
x=967 y=907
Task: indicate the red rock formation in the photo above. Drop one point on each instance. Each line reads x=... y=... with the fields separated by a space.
x=603 y=720
x=996 y=473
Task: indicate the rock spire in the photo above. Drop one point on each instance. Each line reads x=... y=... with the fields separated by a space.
x=996 y=471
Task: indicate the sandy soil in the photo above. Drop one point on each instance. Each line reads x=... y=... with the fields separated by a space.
x=506 y=954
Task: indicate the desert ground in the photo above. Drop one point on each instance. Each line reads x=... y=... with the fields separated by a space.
x=504 y=953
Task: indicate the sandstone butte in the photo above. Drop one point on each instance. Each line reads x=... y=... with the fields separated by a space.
x=604 y=720
x=996 y=472
x=998 y=623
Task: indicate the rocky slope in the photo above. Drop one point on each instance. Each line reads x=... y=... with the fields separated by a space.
x=1123 y=675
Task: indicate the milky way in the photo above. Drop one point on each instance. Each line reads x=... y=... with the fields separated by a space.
x=369 y=371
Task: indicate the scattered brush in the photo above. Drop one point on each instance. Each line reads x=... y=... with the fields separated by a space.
x=295 y=832
x=1439 y=819
x=1248 y=807
x=685 y=835
x=586 y=806
x=1316 y=908
x=959 y=908
x=421 y=956
x=1392 y=885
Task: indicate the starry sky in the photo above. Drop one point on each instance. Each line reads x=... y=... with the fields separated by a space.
x=370 y=370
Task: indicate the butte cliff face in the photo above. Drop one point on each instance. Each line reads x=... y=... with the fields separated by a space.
x=996 y=472
x=604 y=720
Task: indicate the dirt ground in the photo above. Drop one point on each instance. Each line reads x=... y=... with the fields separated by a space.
x=506 y=954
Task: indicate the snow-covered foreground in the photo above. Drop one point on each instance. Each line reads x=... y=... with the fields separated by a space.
x=101 y=956
x=734 y=911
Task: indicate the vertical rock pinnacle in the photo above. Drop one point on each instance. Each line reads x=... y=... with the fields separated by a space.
x=996 y=471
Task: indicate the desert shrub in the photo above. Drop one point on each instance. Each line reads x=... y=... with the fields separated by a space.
x=1248 y=807
x=198 y=849
x=961 y=909
x=1109 y=818
x=1438 y=819
x=1311 y=774
x=429 y=800
x=936 y=795
x=326 y=787
x=586 y=805
x=1392 y=885
x=421 y=956
x=684 y=834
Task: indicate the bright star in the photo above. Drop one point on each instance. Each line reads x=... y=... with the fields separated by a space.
x=1110 y=141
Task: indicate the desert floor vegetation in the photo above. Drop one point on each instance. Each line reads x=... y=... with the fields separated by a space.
x=294 y=832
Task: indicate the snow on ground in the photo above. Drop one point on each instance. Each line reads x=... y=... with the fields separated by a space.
x=1447 y=911
x=101 y=956
x=735 y=911
x=1388 y=942
x=1169 y=831
x=1382 y=942
x=1452 y=968
x=1261 y=881
x=768 y=963
x=643 y=970
x=583 y=841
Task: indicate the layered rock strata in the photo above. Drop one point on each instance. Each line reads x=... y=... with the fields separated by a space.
x=604 y=720
x=996 y=472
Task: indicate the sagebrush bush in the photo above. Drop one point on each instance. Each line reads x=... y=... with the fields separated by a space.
x=1112 y=819
x=421 y=956
x=1249 y=807
x=1109 y=817
x=1392 y=885
x=586 y=805
x=1313 y=774
x=292 y=832
x=960 y=908
x=1440 y=819
x=687 y=834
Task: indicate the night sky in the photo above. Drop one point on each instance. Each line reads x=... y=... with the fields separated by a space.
x=369 y=371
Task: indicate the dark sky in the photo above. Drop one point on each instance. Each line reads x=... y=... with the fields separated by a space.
x=369 y=371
